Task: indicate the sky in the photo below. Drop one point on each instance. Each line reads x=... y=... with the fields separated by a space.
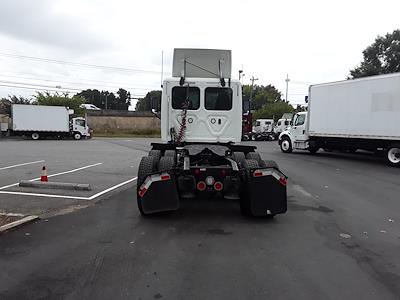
x=48 y=44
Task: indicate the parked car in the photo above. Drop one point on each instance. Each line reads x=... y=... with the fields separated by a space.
x=89 y=107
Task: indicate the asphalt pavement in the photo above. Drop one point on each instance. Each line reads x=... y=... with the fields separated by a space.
x=340 y=239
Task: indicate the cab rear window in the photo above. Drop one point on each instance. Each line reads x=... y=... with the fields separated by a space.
x=218 y=98
x=181 y=94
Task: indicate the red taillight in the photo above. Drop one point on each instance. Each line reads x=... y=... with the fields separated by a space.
x=165 y=177
x=257 y=174
x=201 y=185
x=218 y=186
x=283 y=180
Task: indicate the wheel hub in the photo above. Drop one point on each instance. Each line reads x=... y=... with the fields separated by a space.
x=394 y=155
x=285 y=145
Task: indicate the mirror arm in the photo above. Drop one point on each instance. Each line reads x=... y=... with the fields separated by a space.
x=156 y=113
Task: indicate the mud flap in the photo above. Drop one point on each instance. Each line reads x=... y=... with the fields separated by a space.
x=158 y=193
x=265 y=192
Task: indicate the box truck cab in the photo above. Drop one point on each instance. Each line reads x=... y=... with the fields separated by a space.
x=350 y=115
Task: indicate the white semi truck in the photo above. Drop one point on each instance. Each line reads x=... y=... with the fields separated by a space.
x=40 y=121
x=201 y=124
x=349 y=115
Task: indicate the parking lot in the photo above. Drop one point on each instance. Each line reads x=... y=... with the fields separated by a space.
x=107 y=165
x=338 y=240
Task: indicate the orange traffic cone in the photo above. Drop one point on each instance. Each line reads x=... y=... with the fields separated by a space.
x=43 y=174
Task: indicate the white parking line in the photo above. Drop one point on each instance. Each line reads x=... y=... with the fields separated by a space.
x=71 y=197
x=44 y=195
x=52 y=175
x=112 y=188
x=23 y=164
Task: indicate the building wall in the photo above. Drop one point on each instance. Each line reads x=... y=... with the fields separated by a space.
x=123 y=122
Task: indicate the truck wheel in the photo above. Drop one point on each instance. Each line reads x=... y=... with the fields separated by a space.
x=155 y=153
x=286 y=145
x=146 y=167
x=269 y=164
x=166 y=163
x=77 y=136
x=170 y=153
x=256 y=156
x=313 y=150
x=35 y=136
x=393 y=155
x=238 y=157
x=253 y=137
x=247 y=164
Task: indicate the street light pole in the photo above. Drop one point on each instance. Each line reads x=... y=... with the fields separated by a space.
x=287 y=86
x=252 y=79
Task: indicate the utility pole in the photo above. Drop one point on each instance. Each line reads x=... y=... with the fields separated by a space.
x=287 y=86
x=252 y=79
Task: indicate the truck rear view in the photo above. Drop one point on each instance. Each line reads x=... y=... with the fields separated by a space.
x=201 y=122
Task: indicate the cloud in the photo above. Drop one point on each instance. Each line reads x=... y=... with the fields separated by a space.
x=40 y=22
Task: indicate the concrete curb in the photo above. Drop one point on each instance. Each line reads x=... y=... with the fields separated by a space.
x=17 y=223
x=55 y=185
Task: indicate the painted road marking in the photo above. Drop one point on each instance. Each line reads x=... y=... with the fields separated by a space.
x=52 y=175
x=71 y=197
x=112 y=188
x=23 y=164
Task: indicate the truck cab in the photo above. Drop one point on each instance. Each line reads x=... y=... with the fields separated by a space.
x=296 y=136
x=211 y=110
x=79 y=128
x=200 y=155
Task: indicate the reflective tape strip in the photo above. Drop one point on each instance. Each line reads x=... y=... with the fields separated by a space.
x=150 y=179
x=260 y=173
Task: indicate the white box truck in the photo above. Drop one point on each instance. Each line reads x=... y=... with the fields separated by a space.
x=39 y=121
x=349 y=115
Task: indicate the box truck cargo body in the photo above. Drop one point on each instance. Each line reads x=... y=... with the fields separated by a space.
x=349 y=115
x=38 y=121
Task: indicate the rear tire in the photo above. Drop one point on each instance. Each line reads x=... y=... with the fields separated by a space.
x=269 y=164
x=146 y=167
x=166 y=163
x=239 y=157
x=35 y=136
x=247 y=164
x=286 y=145
x=256 y=156
x=313 y=150
x=392 y=155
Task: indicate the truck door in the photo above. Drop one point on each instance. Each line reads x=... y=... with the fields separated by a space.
x=298 y=130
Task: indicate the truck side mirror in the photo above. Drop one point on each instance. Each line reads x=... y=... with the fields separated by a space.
x=155 y=104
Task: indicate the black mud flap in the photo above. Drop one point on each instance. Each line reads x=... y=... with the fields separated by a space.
x=158 y=193
x=264 y=192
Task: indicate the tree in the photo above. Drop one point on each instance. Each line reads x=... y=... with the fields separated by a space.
x=273 y=110
x=99 y=99
x=124 y=99
x=382 y=57
x=261 y=95
x=144 y=104
x=57 y=99
x=5 y=103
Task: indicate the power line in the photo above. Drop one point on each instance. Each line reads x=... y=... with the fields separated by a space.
x=48 y=60
x=46 y=88
x=69 y=82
